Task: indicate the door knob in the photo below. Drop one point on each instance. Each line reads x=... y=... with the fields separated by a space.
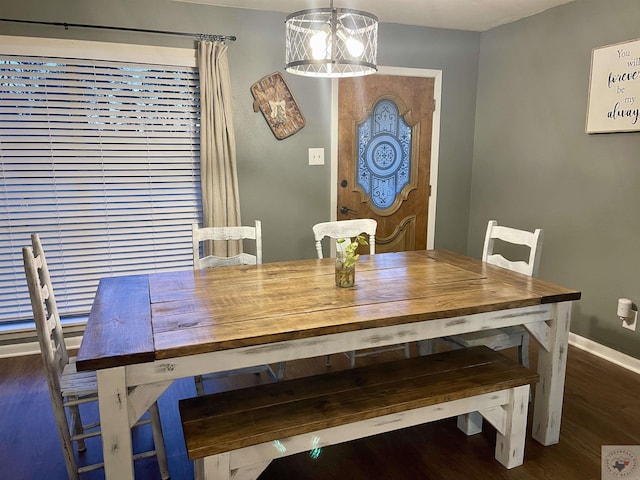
x=346 y=210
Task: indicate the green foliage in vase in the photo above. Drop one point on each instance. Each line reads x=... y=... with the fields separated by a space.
x=350 y=255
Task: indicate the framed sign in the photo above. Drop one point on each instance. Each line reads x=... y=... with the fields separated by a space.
x=273 y=98
x=614 y=89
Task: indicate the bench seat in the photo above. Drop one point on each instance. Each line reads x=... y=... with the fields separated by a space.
x=236 y=434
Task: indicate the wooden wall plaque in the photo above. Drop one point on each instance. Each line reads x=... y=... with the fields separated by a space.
x=278 y=106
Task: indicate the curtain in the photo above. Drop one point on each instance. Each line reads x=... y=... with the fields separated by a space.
x=218 y=166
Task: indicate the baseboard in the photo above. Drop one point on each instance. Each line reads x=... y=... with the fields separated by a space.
x=606 y=353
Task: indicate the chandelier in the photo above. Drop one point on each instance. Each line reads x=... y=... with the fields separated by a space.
x=331 y=42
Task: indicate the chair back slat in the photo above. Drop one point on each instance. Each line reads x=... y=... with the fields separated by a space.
x=242 y=259
x=346 y=229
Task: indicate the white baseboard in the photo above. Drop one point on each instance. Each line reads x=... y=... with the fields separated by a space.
x=606 y=353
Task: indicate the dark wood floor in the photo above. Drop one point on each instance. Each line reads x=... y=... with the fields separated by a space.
x=602 y=407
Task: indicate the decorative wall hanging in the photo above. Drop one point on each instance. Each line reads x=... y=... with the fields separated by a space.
x=274 y=99
x=614 y=89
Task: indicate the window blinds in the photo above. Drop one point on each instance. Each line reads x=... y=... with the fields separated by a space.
x=102 y=160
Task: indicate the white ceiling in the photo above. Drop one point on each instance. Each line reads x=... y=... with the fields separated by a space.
x=473 y=15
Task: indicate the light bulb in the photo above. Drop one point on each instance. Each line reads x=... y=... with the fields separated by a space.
x=318 y=44
x=354 y=46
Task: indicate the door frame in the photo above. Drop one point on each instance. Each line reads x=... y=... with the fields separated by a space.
x=435 y=141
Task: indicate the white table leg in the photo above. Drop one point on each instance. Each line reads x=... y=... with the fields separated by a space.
x=552 y=366
x=114 y=415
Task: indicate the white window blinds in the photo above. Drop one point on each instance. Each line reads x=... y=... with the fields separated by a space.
x=100 y=158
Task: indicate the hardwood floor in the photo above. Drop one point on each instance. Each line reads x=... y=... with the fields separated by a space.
x=601 y=407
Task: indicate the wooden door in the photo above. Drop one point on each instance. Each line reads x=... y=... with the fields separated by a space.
x=384 y=154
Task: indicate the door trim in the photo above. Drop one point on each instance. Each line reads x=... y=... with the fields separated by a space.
x=435 y=141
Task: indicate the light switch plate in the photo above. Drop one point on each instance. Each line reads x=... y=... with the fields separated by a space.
x=316 y=156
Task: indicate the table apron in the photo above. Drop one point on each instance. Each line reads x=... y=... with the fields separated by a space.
x=179 y=367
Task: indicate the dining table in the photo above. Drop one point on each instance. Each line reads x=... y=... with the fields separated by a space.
x=147 y=330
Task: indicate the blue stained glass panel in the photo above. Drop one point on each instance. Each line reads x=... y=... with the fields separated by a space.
x=384 y=154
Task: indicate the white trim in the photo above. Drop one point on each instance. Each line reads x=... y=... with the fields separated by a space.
x=70 y=328
x=56 y=47
x=621 y=359
x=435 y=142
x=32 y=348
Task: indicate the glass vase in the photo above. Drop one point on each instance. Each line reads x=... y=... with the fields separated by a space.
x=345 y=276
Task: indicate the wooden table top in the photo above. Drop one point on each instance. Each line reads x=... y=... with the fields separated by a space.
x=143 y=318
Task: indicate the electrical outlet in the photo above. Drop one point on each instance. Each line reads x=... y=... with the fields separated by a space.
x=316 y=156
x=629 y=324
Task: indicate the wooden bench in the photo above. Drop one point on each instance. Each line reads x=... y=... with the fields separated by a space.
x=236 y=434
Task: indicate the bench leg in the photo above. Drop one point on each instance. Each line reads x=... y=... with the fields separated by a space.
x=215 y=467
x=510 y=442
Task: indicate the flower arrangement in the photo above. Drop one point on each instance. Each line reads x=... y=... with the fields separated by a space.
x=346 y=260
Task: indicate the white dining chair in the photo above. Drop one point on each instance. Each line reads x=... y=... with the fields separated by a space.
x=201 y=260
x=69 y=388
x=502 y=238
x=227 y=234
x=348 y=229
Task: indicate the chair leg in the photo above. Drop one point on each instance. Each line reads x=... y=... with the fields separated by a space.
x=65 y=438
x=523 y=350
x=407 y=351
x=281 y=368
x=470 y=423
x=352 y=358
x=76 y=426
x=158 y=441
x=328 y=363
x=199 y=386
x=427 y=347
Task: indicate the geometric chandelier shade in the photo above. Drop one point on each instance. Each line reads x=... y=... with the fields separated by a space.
x=331 y=42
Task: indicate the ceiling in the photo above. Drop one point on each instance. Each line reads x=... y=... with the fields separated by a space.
x=473 y=15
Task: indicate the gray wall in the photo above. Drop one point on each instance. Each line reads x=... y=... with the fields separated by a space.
x=534 y=165
x=277 y=185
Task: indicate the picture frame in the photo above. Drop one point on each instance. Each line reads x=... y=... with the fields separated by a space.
x=614 y=88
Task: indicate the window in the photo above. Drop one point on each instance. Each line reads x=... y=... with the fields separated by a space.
x=101 y=158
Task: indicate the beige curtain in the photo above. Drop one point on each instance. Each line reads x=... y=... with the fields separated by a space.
x=218 y=169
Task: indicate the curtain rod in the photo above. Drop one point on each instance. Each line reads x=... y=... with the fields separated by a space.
x=199 y=36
